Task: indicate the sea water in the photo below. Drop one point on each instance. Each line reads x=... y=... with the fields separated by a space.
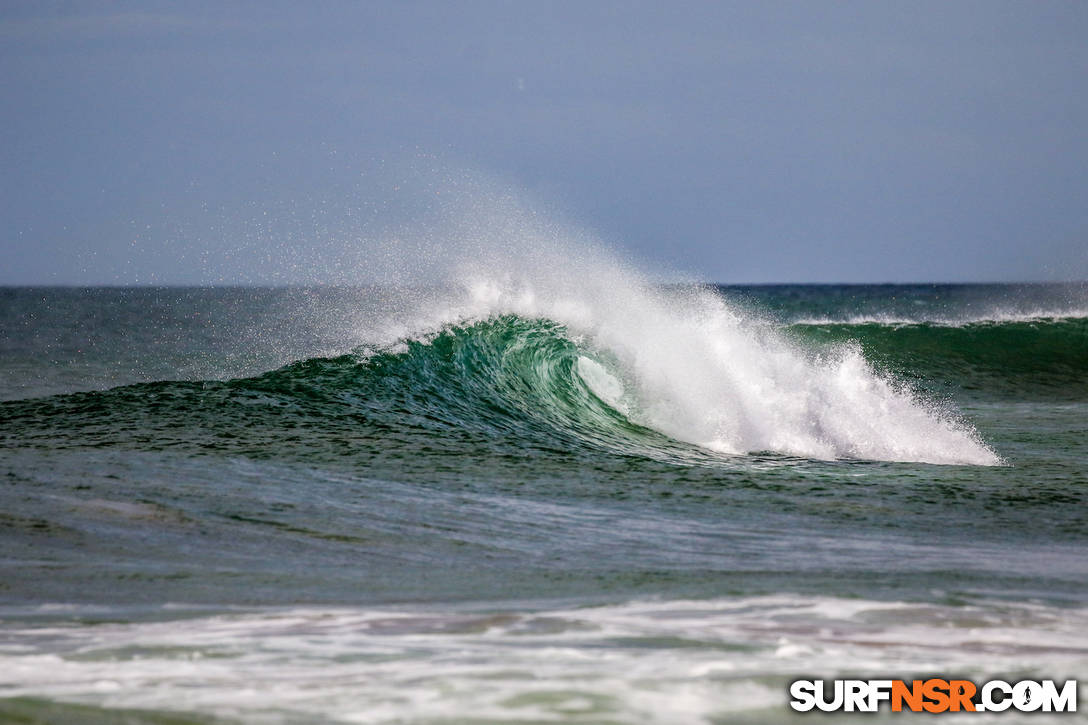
x=560 y=494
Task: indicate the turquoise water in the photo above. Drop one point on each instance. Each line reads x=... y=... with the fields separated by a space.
x=589 y=500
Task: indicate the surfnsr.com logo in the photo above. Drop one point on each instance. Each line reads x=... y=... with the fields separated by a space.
x=933 y=695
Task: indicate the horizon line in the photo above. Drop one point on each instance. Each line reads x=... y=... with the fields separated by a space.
x=327 y=285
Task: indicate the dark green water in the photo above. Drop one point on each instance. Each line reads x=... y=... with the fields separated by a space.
x=651 y=505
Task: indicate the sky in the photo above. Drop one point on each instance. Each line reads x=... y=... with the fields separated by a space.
x=754 y=142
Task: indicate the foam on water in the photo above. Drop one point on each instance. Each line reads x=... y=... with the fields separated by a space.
x=700 y=369
x=640 y=662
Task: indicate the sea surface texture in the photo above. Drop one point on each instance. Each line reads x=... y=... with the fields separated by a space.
x=577 y=498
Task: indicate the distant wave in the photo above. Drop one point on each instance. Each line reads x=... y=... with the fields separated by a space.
x=962 y=319
x=1036 y=356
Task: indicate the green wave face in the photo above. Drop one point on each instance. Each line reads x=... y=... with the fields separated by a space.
x=1034 y=359
x=494 y=387
x=507 y=378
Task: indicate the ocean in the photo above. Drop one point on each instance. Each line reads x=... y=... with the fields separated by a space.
x=572 y=498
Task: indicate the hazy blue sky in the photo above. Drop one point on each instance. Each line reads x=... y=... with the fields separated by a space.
x=741 y=142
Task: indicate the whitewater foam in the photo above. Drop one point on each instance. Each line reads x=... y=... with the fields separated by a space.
x=669 y=661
